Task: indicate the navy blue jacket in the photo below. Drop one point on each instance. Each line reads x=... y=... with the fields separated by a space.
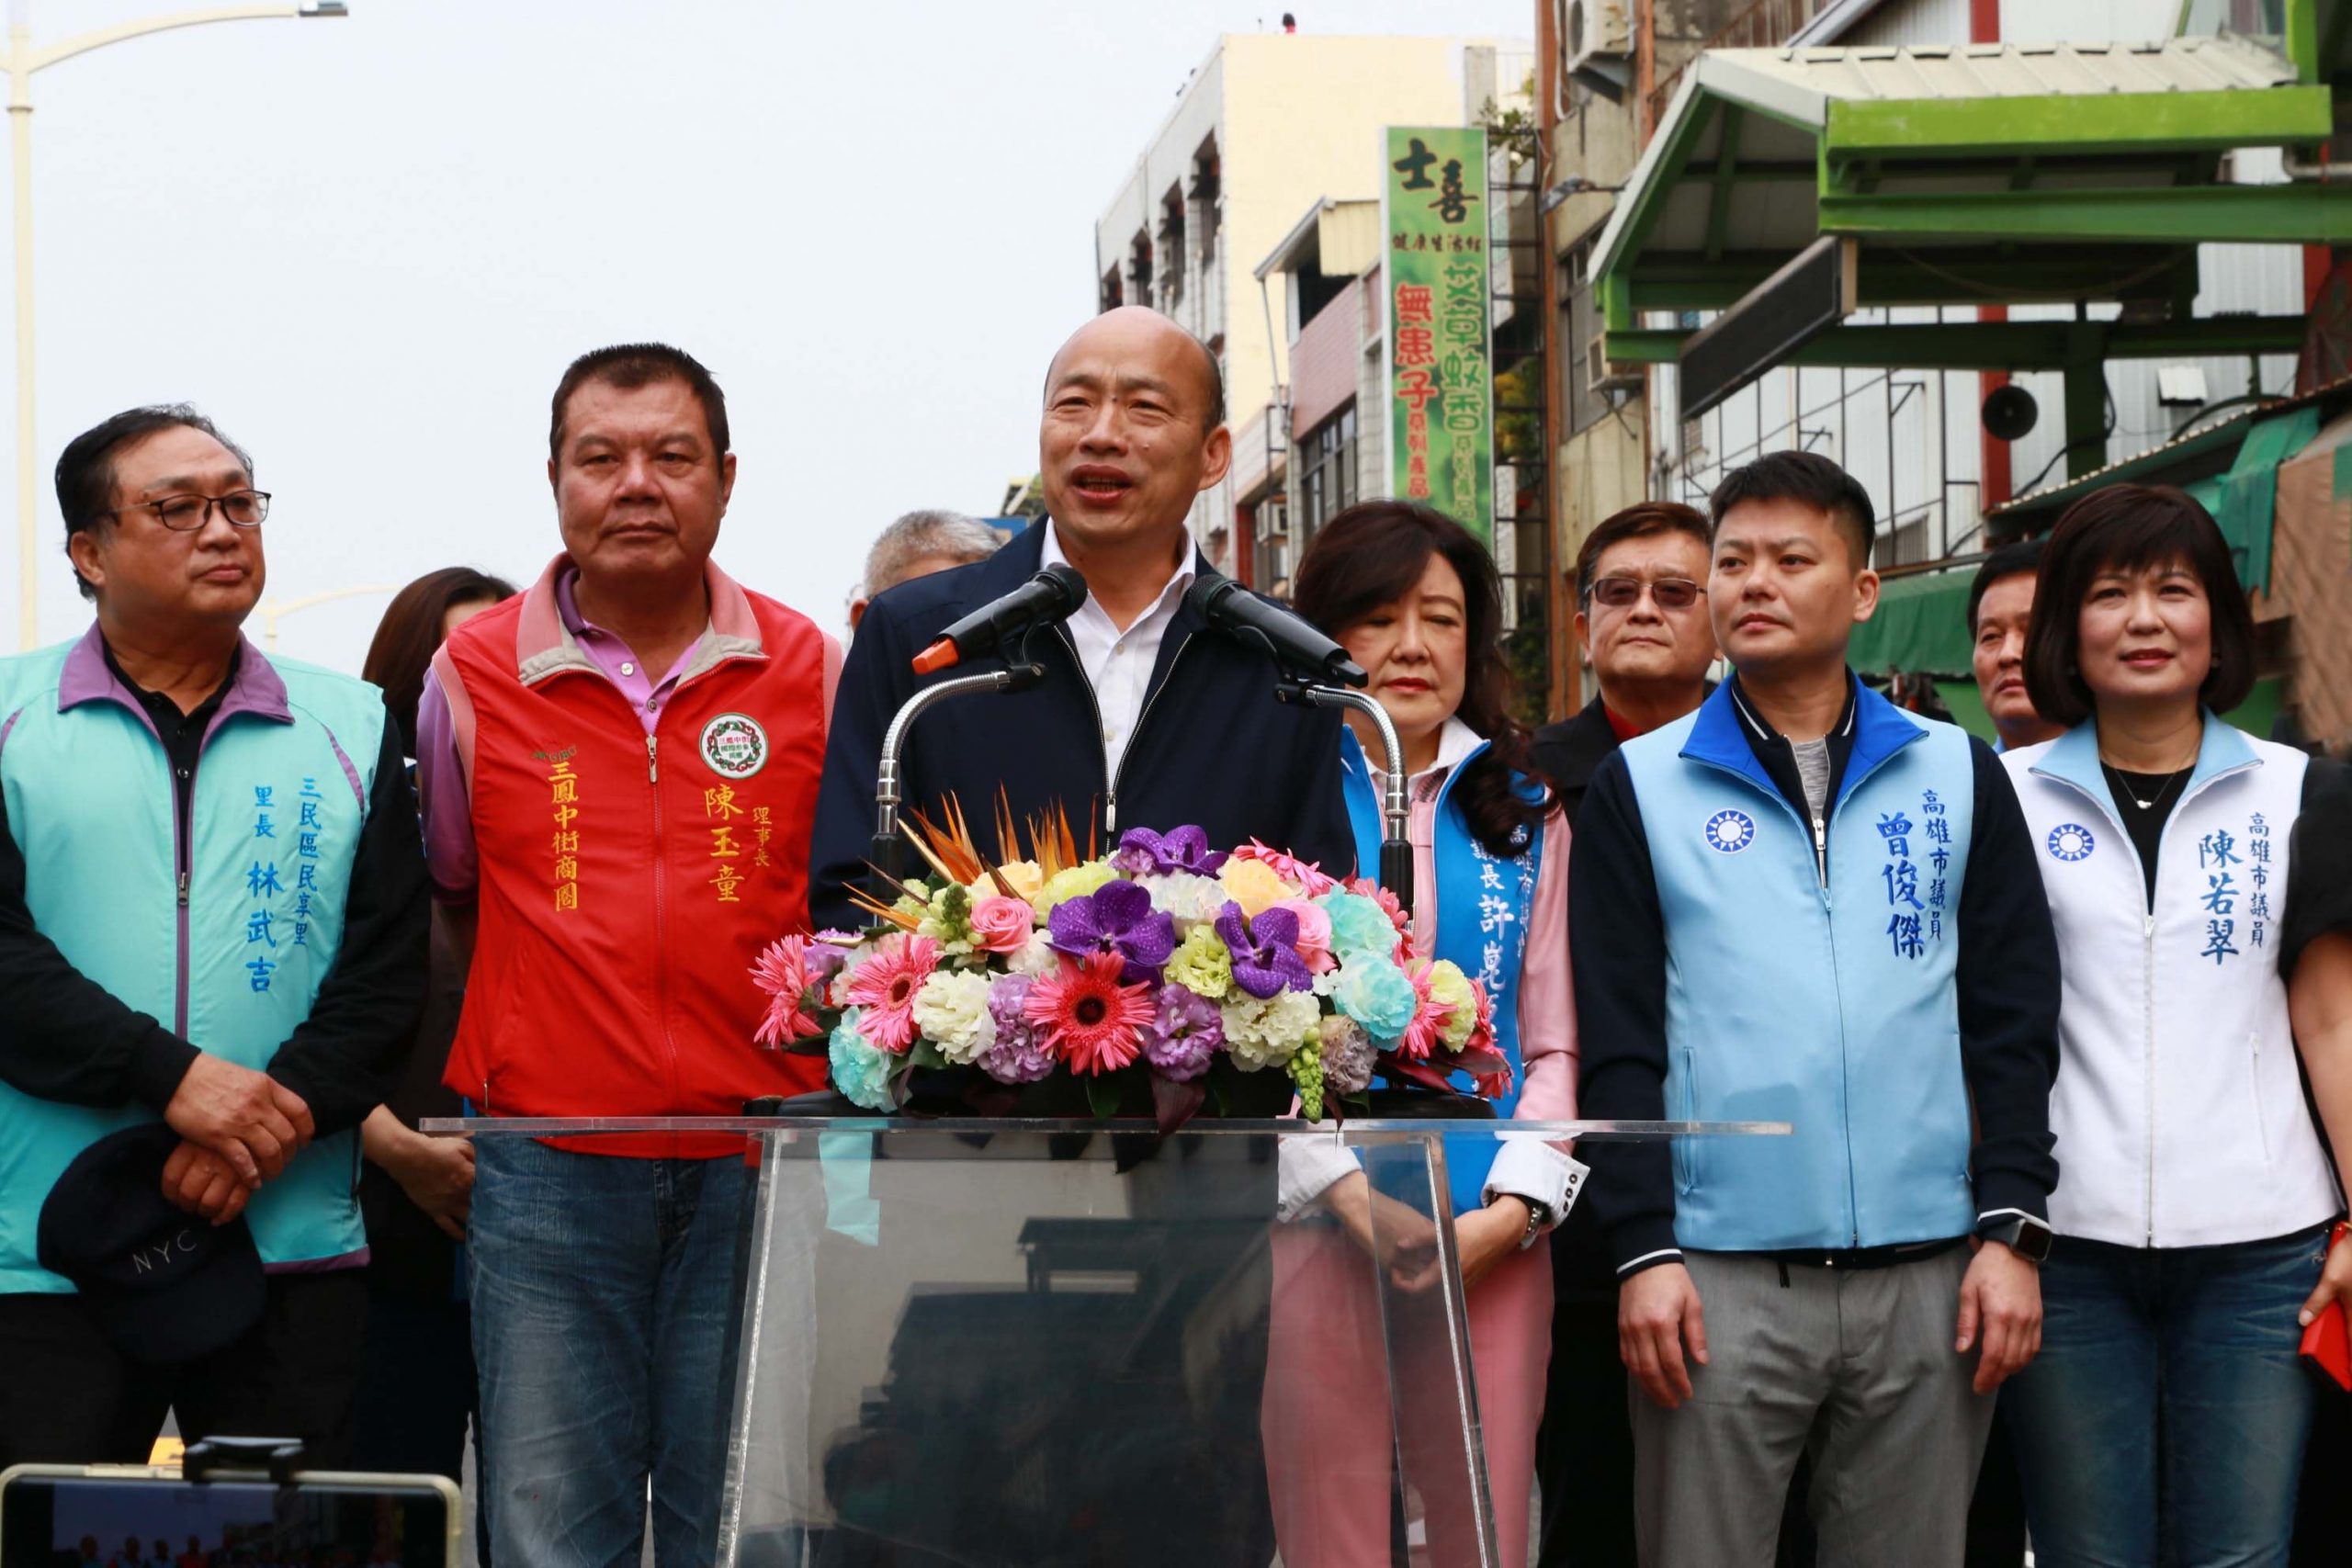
x=1213 y=747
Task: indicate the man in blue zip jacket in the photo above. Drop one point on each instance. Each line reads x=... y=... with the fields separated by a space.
x=1802 y=904
x=1146 y=719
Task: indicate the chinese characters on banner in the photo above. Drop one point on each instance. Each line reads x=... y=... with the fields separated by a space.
x=1440 y=377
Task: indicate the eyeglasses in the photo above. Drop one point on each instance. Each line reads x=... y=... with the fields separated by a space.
x=187 y=514
x=1625 y=592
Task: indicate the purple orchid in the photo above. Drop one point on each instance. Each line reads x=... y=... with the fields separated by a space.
x=1265 y=950
x=1143 y=852
x=1184 y=1032
x=1116 y=918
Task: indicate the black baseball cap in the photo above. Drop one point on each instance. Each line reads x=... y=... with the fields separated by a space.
x=163 y=1285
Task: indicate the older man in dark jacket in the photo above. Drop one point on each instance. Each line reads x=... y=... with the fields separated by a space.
x=1146 y=717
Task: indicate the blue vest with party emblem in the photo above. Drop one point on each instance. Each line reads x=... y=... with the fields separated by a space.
x=1483 y=903
x=1817 y=990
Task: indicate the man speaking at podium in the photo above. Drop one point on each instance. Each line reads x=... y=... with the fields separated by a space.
x=1146 y=719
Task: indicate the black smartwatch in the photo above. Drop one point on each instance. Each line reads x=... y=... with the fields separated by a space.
x=2022 y=1233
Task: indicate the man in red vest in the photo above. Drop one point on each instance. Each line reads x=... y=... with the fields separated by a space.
x=619 y=770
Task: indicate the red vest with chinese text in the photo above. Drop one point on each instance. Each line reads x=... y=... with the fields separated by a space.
x=628 y=880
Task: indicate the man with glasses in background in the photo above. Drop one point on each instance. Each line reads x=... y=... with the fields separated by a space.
x=212 y=921
x=2000 y=608
x=1642 y=621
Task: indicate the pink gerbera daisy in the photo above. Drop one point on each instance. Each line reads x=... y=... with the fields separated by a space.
x=782 y=971
x=1429 y=1015
x=1091 y=1020
x=1482 y=1033
x=883 y=989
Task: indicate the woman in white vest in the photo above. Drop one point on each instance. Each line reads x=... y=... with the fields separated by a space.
x=2196 y=1197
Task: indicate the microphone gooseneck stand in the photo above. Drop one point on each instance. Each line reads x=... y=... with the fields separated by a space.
x=1396 y=810
x=1317 y=672
x=888 y=849
x=1312 y=670
x=1008 y=622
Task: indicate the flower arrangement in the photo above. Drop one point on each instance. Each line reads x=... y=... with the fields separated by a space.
x=1165 y=970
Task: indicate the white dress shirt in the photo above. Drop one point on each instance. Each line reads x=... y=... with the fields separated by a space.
x=1118 y=663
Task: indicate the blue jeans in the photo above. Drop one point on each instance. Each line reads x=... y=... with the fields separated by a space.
x=605 y=1298
x=2197 y=1342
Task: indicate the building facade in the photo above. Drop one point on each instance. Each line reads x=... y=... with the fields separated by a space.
x=1915 y=437
x=1270 y=124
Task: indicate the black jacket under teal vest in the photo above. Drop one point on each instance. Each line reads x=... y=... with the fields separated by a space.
x=1869 y=979
x=227 y=939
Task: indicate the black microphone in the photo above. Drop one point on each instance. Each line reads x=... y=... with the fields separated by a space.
x=1053 y=595
x=1293 y=640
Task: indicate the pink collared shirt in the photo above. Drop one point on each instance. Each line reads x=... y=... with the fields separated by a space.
x=441 y=771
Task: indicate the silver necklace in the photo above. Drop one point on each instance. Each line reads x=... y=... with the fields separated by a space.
x=2115 y=777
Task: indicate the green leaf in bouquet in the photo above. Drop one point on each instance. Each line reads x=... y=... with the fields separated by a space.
x=1220 y=1091
x=926 y=1055
x=1103 y=1095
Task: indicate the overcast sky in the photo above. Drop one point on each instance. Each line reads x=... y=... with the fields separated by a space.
x=367 y=247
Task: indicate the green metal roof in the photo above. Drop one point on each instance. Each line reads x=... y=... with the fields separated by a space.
x=2230 y=468
x=1968 y=175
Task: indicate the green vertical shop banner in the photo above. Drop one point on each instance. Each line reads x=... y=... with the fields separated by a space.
x=1441 y=376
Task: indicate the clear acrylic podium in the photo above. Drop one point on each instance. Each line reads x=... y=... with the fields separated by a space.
x=998 y=1342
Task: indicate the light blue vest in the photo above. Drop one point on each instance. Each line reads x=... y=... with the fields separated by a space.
x=1483 y=903
x=280 y=799
x=1832 y=1007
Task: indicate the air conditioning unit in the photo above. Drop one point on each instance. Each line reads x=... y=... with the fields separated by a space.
x=1601 y=376
x=1596 y=46
x=1595 y=30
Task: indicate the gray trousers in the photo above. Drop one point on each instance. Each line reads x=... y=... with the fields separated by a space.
x=1855 y=1367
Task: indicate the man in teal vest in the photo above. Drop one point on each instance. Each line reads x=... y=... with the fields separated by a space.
x=212 y=911
x=1803 y=904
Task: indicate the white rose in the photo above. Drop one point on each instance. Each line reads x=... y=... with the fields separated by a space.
x=1267 y=1033
x=952 y=1013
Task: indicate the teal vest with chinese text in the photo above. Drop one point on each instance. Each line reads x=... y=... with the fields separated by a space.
x=279 y=800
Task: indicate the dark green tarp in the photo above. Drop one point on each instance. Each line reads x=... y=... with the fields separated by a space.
x=1919 y=628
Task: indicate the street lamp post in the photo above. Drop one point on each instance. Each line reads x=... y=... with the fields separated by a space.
x=275 y=611
x=21 y=61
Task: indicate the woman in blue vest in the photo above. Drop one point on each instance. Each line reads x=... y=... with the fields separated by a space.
x=1417 y=602
x=2193 y=1214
